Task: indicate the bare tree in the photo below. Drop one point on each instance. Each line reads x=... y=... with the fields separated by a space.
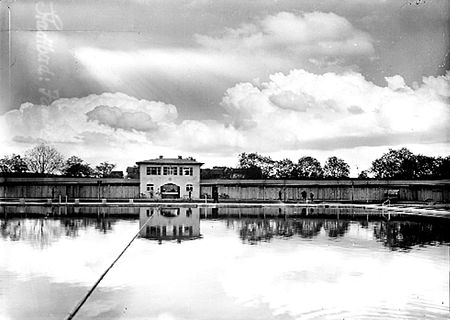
x=44 y=159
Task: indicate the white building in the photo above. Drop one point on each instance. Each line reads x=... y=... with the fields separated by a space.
x=170 y=178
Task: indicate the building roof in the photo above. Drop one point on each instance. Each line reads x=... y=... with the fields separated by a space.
x=175 y=161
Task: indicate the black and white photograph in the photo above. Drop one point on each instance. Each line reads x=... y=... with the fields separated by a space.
x=224 y=159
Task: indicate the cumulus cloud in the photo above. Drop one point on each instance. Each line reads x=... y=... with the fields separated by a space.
x=65 y=120
x=310 y=33
x=297 y=109
x=290 y=100
x=115 y=117
x=396 y=83
x=294 y=111
x=355 y=110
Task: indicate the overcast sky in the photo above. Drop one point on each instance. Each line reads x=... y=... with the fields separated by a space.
x=129 y=80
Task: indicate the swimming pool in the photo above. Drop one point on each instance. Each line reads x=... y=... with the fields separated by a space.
x=186 y=264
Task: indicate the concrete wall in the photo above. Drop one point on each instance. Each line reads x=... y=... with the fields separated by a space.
x=329 y=190
x=323 y=190
x=71 y=187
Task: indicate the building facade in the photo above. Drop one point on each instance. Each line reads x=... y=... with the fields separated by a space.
x=169 y=178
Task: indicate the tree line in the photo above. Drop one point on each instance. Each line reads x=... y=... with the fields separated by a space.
x=257 y=166
x=394 y=164
x=44 y=159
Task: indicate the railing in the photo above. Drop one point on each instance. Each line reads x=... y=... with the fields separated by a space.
x=88 y=294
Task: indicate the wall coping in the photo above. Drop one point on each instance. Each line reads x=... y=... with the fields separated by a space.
x=342 y=182
x=231 y=182
x=67 y=180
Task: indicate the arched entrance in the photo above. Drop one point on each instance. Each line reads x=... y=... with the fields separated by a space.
x=170 y=191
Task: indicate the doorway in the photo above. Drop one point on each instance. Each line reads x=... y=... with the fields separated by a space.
x=170 y=191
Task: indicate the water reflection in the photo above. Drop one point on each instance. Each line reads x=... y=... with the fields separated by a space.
x=337 y=268
x=393 y=234
x=169 y=223
x=336 y=228
x=405 y=235
x=254 y=224
x=43 y=232
x=287 y=211
x=255 y=230
x=41 y=210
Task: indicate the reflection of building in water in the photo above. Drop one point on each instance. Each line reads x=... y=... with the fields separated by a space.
x=170 y=223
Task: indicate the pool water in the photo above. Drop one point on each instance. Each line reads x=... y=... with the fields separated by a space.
x=184 y=267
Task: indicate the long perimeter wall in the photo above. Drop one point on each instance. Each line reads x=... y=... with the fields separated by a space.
x=73 y=188
x=351 y=190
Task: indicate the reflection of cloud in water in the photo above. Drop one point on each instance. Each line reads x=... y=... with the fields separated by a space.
x=78 y=252
x=318 y=281
x=333 y=271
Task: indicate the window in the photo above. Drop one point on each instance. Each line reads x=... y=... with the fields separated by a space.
x=170 y=212
x=189 y=187
x=187 y=171
x=153 y=171
x=150 y=187
x=170 y=171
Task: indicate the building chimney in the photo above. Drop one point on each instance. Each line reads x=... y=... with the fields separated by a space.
x=160 y=157
x=180 y=157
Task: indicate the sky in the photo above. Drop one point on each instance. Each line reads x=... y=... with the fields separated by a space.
x=124 y=81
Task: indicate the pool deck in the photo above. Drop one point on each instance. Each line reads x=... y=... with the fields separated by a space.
x=408 y=209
